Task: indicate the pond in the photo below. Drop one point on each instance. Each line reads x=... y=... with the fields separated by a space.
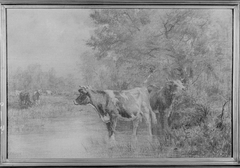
x=61 y=138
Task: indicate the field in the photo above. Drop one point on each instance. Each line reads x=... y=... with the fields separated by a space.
x=56 y=128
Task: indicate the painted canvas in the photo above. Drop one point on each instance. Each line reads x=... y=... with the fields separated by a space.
x=119 y=82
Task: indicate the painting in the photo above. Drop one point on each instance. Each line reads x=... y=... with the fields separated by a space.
x=121 y=82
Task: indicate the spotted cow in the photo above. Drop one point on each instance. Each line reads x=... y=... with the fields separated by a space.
x=111 y=105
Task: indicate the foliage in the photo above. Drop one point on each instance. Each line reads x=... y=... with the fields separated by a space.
x=177 y=43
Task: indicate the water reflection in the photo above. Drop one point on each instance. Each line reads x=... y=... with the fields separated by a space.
x=62 y=138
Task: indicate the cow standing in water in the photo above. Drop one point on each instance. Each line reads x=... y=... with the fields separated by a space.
x=161 y=99
x=128 y=105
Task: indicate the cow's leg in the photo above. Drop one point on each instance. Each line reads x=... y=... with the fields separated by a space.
x=148 y=123
x=111 y=130
x=147 y=117
x=114 y=124
x=135 y=127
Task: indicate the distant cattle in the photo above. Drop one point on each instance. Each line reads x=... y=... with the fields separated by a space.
x=24 y=99
x=161 y=99
x=48 y=92
x=27 y=98
x=17 y=92
x=128 y=105
x=36 y=97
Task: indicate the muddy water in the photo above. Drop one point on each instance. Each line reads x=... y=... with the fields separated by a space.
x=61 y=138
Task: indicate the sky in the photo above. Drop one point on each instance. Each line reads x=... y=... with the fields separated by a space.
x=52 y=38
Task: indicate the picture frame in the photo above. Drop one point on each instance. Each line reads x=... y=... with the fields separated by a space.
x=7 y=6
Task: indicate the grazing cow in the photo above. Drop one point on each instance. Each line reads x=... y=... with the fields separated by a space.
x=127 y=105
x=36 y=97
x=162 y=99
x=24 y=98
x=48 y=92
x=17 y=92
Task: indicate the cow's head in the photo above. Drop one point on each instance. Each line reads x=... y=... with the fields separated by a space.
x=175 y=86
x=84 y=97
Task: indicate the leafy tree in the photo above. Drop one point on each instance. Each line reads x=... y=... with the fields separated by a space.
x=189 y=44
x=178 y=43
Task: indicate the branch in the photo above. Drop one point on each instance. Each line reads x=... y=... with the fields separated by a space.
x=151 y=73
x=131 y=20
x=148 y=52
x=221 y=116
x=197 y=76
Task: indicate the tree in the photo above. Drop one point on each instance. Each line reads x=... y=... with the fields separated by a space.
x=189 y=44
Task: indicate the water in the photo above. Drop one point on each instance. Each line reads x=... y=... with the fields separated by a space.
x=61 y=138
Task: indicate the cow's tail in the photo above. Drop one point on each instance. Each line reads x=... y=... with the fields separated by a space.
x=153 y=117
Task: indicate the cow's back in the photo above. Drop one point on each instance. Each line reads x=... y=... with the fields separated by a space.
x=129 y=102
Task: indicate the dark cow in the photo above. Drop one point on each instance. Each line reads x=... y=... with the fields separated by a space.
x=27 y=99
x=36 y=97
x=127 y=105
x=161 y=100
x=24 y=98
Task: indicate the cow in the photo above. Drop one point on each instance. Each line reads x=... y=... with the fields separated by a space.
x=161 y=100
x=17 y=92
x=24 y=98
x=36 y=97
x=48 y=92
x=127 y=105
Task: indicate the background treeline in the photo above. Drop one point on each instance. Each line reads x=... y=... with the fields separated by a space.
x=34 y=77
